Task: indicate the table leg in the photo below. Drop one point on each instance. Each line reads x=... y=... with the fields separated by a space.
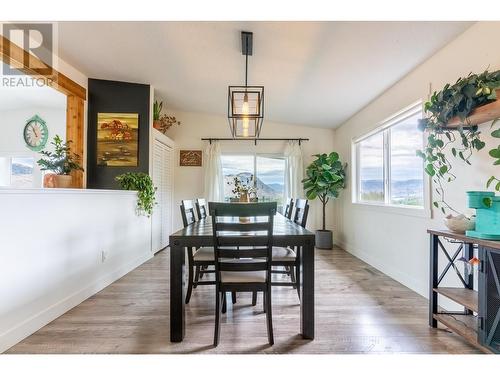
x=177 y=266
x=433 y=279
x=307 y=291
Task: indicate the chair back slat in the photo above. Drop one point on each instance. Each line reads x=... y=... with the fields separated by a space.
x=242 y=240
x=301 y=212
x=239 y=252
x=187 y=212
x=234 y=226
x=242 y=235
x=242 y=266
x=201 y=208
x=242 y=209
x=288 y=208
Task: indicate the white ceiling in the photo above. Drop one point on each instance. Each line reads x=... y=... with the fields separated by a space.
x=314 y=73
x=25 y=94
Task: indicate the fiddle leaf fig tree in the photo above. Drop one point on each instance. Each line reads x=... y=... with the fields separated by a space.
x=325 y=178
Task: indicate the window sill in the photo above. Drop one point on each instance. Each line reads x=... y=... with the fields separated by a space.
x=396 y=210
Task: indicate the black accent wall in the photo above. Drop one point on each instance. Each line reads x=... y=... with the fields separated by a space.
x=117 y=97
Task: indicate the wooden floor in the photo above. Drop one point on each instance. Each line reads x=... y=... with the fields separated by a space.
x=358 y=310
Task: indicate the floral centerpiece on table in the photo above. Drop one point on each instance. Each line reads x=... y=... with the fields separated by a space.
x=243 y=188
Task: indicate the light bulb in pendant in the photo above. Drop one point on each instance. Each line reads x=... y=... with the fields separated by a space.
x=244 y=107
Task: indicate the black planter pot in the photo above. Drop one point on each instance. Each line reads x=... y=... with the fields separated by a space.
x=324 y=239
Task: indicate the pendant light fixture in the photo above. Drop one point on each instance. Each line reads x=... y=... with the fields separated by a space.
x=246 y=103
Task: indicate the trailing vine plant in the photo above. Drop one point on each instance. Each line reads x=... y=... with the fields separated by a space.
x=459 y=99
x=146 y=191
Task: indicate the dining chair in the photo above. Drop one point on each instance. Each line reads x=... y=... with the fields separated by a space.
x=198 y=259
x=243 y=251
x=201 y=208
x=288 y=208
x=290 y=258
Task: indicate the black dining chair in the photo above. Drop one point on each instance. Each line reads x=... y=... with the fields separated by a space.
x=290 y=258
x=198 y=259
x=288 y=208
x=243 y=251
x=201 y=208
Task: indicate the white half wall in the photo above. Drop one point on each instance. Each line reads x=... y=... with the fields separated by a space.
x=398 y=244
x=194 y=126
x=58 y=247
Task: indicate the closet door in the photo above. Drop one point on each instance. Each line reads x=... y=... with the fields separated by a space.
x=162 y=179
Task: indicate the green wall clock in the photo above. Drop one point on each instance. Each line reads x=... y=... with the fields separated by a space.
x=36 y=133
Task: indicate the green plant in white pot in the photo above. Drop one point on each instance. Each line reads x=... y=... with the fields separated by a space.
x=325 y=178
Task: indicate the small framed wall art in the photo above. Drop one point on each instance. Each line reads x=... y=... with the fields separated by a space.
x=190 y=158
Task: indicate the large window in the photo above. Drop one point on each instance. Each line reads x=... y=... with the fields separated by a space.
x=387 y=170
x=269 y=172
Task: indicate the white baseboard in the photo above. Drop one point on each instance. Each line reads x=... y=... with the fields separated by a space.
x=42 y=318
x=416 y=285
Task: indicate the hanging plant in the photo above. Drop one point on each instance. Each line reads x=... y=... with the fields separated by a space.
x=457 y=100
x=142 y=183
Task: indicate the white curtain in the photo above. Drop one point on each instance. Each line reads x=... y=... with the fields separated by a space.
x=294 y=170
x=214 y=180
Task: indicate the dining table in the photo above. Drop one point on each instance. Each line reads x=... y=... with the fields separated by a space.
x=198 y=234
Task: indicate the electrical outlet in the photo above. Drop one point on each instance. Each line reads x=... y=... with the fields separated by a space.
x=103 y=256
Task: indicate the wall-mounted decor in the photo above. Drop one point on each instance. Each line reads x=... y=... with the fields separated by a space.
x=117 y=139
x=190 y=158
x=36 y=133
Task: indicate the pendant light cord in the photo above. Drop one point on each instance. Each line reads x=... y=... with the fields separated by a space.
x=246 y=62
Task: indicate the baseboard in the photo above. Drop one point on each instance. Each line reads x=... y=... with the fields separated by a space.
x=410 y=282
x=39 y=320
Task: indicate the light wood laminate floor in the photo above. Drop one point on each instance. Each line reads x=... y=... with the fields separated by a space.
x=358 y=310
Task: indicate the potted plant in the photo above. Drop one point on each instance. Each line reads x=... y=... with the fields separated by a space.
x=146 y=191
x=61 y=162
x=450 y=133
x=162 y=122
x=325 y=178
x=157 y=107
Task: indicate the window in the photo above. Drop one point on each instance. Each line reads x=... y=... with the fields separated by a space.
x=387 y=170
x=16 y=172
x=268 y=169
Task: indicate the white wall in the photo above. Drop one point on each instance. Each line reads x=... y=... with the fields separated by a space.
x=398 y=244
x=51 y=257
x=189 y=180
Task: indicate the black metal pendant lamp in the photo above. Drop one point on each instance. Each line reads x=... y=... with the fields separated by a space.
x=245 y=109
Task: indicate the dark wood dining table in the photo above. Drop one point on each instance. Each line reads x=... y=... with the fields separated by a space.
x=285 y=233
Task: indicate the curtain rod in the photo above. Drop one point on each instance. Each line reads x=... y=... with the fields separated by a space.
x=256 y=139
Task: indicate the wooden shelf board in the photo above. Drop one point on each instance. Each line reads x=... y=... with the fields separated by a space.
x=495 y=245
x=463 y=325
x=480 y=115
x=463 y=296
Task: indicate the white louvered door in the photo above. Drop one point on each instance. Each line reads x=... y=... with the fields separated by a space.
x=162 y=179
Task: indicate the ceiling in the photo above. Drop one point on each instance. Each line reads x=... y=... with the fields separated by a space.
x=23 y=93
x=314 y=73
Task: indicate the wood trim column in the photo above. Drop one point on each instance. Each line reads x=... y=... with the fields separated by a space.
x=74 y=133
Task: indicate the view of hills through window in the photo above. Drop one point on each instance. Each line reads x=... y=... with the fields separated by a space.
x=403 y=168
x=269 y=172
x=16 y=172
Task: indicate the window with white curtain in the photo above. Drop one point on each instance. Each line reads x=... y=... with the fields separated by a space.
x=268 y=169
x=386 y=169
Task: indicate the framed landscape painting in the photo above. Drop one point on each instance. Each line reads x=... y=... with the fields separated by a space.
x=117 y=139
